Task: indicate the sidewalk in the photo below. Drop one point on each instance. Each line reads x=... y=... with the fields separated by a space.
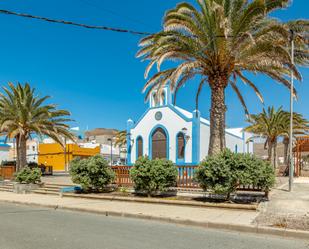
x=194 y=214
x=287 y=209
x=236 y=220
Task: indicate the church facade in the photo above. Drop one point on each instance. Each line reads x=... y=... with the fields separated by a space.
x=168 y=131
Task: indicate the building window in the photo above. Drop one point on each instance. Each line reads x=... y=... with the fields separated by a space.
x=236 y=148
x=139 y=147
x=180 y=146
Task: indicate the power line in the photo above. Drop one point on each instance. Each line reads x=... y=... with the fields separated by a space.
x=120 y=30
x=112 y=12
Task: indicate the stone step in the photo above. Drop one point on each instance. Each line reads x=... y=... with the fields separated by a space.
x=59 y=185
x=49 y=189
x=6 y=189
x=45 y=192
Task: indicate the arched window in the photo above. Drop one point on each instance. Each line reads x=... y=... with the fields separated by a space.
x=180 y=146
x=159 y=144
x=139 y=149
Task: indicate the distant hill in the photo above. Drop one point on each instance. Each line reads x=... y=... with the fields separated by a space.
x=101 y=132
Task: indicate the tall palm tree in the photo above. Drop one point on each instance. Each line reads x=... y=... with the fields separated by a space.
x=273 y=124
x=121 y=139
x=300 y=127
x=219 y=41
x=23 y=113
x=270 y=126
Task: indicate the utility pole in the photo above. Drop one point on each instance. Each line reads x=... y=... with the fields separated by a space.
x=111 y=140
x=291 y=169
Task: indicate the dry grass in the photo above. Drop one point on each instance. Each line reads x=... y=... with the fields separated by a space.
x=290 y=221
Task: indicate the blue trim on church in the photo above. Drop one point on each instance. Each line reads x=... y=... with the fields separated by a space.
x=130 y=125
x=180 y=161
x=136 y=146
x=196 y=137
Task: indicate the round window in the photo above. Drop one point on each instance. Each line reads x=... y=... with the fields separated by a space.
x=158 y=116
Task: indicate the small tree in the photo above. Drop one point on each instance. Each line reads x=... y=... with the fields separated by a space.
x=152 y=176
x=224 y=172
x=28 y=175
x=92 y=173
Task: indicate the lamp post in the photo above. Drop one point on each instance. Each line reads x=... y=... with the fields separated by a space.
x=111 y=141
x=291 y=169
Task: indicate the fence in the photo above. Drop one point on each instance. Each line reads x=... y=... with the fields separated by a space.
x=184 y=180
x=7 y=172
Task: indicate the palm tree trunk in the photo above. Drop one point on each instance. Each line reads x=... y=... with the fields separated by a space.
x=17 y=153
x=275 y=162
x=286 y=149
x=22 y=151
x=270 y=151
x=217 y=116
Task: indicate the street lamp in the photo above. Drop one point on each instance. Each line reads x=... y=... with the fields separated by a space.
x=291 y=169
x=111 y=141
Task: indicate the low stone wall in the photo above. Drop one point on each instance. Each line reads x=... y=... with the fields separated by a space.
x=22 y=188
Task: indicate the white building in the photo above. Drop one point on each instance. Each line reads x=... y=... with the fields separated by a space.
x=167 y=131
x=32 y=147
x=4 y=151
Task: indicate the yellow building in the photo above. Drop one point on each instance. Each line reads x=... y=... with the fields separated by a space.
x=59 y=158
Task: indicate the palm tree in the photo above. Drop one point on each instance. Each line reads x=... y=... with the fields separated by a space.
x=121 y=139
x=219 y=42
x=270 y=126
x=23 y=113
x=273 y=124
x=300 y=127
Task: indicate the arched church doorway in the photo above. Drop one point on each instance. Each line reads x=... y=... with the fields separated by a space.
x=159 y=144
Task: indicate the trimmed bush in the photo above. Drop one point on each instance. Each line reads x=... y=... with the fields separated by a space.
x=93 y=173
x=224 y=172
x=153 y=176
x=28 y=175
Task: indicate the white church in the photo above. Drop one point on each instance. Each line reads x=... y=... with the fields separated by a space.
x=168 y=131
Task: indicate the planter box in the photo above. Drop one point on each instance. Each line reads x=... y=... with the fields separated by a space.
x=23 y=188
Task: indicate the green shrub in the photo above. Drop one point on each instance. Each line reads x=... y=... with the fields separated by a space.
x=93 y=173
x=27 y=175
x=152 y=176
x=224 y=172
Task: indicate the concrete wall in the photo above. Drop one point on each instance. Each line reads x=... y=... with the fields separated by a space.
x=204 y=140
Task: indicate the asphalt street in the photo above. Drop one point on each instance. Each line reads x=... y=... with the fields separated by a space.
x=24 y=227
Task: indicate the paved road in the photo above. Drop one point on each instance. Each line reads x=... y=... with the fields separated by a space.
x=23 y=227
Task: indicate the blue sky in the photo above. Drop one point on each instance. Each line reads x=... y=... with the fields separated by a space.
x=95 y=74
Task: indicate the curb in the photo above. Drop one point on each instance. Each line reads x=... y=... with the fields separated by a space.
x=288 y=233
x=248 y=207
